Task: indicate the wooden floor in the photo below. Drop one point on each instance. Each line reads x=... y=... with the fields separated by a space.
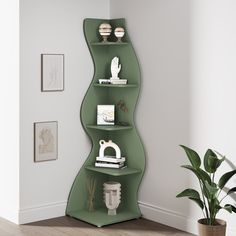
x=65 y=226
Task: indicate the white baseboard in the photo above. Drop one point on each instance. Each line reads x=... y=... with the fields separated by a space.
x=42 y=212
x=168 y=217
x=149 y=211
x=173 y=219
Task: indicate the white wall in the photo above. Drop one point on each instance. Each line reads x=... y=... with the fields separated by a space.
x=9 y=103
x=53 y=26
x=187 y=55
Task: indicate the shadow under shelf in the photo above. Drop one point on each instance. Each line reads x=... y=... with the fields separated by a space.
x=109 y=127
x=109 y=43
x=99 y=217
x=116 y=85
x=114 y=172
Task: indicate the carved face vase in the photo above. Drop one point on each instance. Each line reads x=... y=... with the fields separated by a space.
x=112 y=195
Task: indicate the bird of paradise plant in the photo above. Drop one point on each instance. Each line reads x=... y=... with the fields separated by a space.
x=211 y=196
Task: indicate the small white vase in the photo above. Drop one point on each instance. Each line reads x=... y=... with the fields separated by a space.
x=105 y=31
x=112 y=195
x=119 y=33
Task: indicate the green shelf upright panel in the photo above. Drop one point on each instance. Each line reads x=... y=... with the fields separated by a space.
x=125 y=135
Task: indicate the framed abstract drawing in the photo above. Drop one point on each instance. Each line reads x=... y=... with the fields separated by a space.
x=45 y=141
x=52 y=72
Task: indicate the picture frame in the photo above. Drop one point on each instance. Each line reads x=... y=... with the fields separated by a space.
x=52 y=72
x=105 y=114
x=45 y=141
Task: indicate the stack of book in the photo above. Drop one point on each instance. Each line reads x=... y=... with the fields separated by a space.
x=110 y=162
x=112 y=81
x=118 y=81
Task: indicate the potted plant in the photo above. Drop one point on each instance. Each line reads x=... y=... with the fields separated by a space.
x=211 y=197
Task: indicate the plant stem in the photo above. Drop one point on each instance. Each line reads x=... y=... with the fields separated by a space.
x=207 y=215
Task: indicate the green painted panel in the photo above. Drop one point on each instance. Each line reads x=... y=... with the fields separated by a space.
x=125 y=136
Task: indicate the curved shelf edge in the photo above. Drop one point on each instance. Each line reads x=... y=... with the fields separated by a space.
x=109 y=127
x=99 y=217
x=116 y=85
x=109 y=44
x=114 y=172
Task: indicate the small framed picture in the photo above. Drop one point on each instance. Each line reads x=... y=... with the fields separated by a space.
x=45 y=141
x=52 y=72
x=105 y=114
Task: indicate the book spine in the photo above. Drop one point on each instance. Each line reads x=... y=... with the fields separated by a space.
x=117 y=166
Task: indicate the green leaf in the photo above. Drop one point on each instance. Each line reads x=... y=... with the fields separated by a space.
x=198 y=201
x=201 y=174
x=205 y=176
x=192 y=156
x=211 y=189
x=228 y=208
x=207 y=166
x=225 y=178
x=232 y=190
x=211 y=161
x=221 y=156
x=232 y=207
x=192 y=195
x=189 y=193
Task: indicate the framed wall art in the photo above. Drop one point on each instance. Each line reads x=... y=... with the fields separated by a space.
x=52 y=72
x=45 y=141
x=105 y=114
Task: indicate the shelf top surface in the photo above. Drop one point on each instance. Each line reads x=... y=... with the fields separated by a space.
x=114 y=172
x=109 y=127
x=116 y=85
x=99 y=217
x=108 y=43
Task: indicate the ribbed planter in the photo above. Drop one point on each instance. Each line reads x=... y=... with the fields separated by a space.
x=218 y=229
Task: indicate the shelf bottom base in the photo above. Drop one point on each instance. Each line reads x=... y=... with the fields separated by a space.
x=100 y=218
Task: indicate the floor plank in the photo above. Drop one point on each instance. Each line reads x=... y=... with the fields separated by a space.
x=67 y=226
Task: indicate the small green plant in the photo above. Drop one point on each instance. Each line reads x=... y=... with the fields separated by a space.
x=210 y=197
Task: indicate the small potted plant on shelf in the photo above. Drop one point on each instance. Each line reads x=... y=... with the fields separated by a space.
x=210 y=198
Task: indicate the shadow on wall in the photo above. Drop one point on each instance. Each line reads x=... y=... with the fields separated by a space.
x=233 y=167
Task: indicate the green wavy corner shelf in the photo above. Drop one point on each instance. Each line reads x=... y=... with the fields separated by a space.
x=126 y=137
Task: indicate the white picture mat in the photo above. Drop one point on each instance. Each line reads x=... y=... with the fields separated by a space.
x=52 y=72
x=45 y=141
